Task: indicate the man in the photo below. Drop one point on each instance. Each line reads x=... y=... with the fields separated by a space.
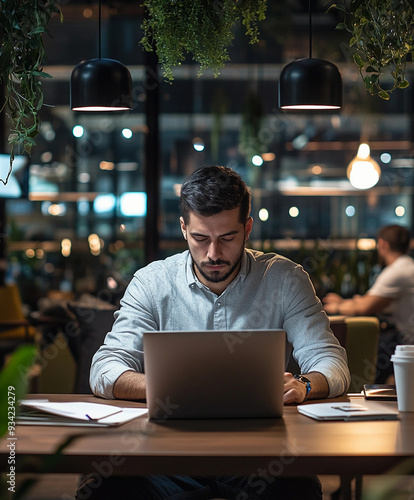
x=391 y=297
x=218 y=284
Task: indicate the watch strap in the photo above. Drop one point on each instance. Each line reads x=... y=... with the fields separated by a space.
x=305 y=381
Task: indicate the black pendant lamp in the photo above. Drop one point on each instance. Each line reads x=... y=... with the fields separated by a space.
x=100 y=84
x=310 y=84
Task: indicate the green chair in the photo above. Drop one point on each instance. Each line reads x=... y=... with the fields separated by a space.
x=361 y=345
x=359 y=335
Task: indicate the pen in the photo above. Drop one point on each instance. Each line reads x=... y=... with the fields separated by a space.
x=105 y=416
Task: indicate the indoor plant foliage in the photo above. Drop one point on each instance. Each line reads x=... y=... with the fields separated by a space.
x=203 y=28
x=382 y=33
x=23 y=24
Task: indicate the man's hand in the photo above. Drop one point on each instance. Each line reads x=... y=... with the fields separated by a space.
x=331 y=303
x=295 y=391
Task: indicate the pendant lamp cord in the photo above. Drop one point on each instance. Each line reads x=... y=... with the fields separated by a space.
x=99 y=31
x=310 y=30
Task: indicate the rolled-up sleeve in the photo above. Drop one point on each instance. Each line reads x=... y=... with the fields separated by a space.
x=315 y=348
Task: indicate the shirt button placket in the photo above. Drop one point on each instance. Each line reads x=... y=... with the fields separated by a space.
x=219 y=315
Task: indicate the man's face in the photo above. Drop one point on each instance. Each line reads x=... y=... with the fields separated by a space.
x=216 y=244
x=382 y=248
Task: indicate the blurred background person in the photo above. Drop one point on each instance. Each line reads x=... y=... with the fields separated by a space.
x=391 y=297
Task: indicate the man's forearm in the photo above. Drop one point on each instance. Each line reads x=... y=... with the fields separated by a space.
x=130 y=385
x=347 y=307
x=319 y=384
x=359 y=305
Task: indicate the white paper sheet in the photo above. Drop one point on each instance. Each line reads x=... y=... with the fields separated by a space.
x=41 y=412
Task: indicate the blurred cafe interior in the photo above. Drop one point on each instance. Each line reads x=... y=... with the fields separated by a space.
x=97 y=198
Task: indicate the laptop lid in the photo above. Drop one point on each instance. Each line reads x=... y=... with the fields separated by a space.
x=214 y=374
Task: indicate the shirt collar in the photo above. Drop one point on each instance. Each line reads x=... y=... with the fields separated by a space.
x=191 y=277
x=245 y=265
x=193 y=280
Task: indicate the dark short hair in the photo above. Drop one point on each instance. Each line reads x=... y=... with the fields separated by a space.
x=398 y=237
x=212 y=189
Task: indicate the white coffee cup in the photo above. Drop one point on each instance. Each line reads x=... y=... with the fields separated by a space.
x=399 y=349
x=404 y=376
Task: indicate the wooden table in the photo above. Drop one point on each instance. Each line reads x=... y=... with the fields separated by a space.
x=294 y=444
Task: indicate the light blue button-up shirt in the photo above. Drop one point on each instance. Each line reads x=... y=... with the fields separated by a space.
x=270 y=291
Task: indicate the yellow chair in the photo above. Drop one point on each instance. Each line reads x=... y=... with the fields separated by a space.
x=15 y=329
x=13 y=323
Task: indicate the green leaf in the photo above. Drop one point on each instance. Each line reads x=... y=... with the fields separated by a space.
x=39 y=103
x=384 y=95
x=358 y=61
x=41 y=74
x=38 y=29
x=30 y=141
x=404 y=84
x=13 y=137
x=368 y=83
x=341 y=26
x=34 y=132
x=14 y=384
x=339 y=6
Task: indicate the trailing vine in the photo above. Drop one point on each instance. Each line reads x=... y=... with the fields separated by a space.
x=203 y=28
x=382 y=33
x=22 y=26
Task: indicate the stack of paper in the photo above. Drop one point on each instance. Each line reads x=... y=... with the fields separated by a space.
x=43 y=412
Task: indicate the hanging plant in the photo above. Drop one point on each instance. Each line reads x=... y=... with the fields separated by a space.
x=203 y=28
x=382 y=33
x=23 y=24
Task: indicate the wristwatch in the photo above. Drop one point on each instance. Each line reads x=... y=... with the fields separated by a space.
x=305 y=381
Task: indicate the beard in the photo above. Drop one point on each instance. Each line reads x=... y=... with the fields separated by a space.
x=217 y=276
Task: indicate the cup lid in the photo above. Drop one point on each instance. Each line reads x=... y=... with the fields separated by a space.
x=403 y=357
x=404 y=347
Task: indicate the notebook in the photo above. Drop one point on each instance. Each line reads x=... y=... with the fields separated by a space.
x=45 y=412
x=214 y=374
x=349 y=411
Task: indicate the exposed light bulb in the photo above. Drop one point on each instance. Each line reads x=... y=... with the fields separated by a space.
x=363 y=172
x=198 y=144
x=257 y=160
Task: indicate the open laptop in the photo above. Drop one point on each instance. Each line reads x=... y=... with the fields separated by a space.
x=214 y=374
